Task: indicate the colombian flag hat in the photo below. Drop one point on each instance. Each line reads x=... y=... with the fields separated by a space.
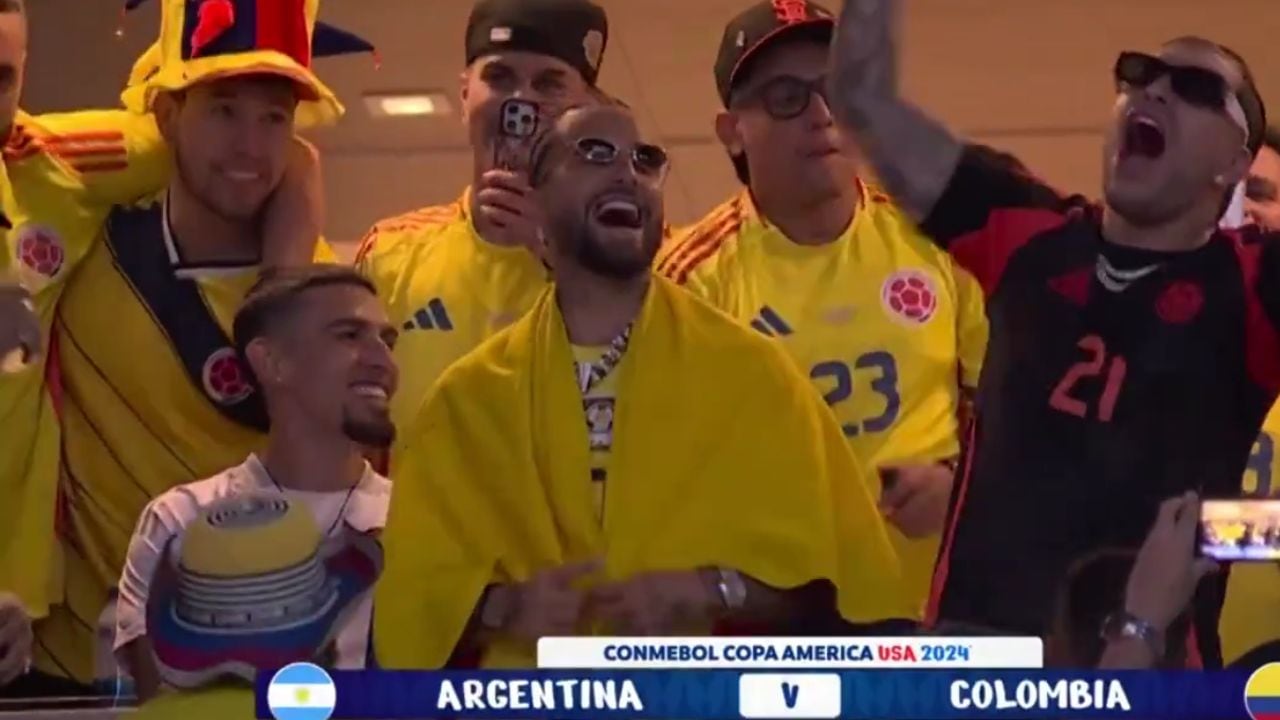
x=202 y=40
x=254 y=587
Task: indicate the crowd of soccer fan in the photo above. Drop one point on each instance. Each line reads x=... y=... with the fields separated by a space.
x=948 y=399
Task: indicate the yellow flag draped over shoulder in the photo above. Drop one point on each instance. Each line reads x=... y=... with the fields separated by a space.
x=722 y=456
x=219 y=703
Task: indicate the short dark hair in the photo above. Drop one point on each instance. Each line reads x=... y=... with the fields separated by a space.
x=275 y=296
x=1271 y=138
x=8 y=6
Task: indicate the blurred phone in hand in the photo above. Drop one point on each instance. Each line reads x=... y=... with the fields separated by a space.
x=1240 y=530
x=518 y=124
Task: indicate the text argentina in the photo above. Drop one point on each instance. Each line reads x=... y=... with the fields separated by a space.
x=562 y=694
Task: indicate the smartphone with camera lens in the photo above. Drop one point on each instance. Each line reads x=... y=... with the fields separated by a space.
x=518 y=122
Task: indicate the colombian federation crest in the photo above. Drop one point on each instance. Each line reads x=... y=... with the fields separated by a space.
x=40 y=250
x=224 y=378
x=910 y=296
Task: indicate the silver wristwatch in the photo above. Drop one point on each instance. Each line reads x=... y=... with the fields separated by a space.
x=733 y=590
x=1127 y=626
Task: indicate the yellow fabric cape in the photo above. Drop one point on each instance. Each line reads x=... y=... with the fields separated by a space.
x=722 y=456
x=218 y=703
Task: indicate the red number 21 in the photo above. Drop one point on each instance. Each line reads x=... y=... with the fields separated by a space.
x=1061 y=399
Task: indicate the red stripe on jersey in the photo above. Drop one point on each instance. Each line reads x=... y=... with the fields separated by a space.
x=113 y=136
x=22 y=153
x=408 y=221
x=944 y=554
x=19 y=139
x=682 y=275
x=89 y=151
x=698 y=248
x=704 y=232
x=1261 y=346
x=986 y=251
x=366 y=244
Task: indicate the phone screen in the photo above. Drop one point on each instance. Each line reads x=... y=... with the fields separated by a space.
x=1243 y=530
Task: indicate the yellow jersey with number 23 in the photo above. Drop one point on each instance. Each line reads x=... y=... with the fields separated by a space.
x=886 y=327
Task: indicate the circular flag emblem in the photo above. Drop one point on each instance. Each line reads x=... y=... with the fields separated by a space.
x=40 y=249
x=1262 y=693
x=910 y=295
x=301 y=691
x=224 y=379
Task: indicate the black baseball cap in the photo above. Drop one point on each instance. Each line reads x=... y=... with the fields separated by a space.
x=764 y=24
x=575 y=31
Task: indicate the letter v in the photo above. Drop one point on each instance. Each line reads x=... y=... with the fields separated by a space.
x=790 y=693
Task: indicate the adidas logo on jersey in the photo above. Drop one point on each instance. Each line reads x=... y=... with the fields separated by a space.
x=431 y=317
x=770 y=323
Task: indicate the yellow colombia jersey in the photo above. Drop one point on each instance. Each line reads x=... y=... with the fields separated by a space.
x=1251 y=614
x=153 y=397
x=60 y=176
x=446 y=288
x=884 y=324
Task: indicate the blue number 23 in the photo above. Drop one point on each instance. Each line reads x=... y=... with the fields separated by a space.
x=884 y=383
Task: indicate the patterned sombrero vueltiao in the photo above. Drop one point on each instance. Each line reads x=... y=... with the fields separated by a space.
x=255 y=588
x=202 y=40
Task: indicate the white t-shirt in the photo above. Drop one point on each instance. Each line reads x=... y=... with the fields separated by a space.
x=167 y=516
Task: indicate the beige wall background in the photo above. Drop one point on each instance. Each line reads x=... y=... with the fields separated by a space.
x=1030 y=76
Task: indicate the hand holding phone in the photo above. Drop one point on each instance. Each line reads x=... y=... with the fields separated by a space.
x=518 y=122
x=1166 y=571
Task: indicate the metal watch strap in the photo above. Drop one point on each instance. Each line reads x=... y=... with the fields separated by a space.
x=733 y=591
x=1124 y=625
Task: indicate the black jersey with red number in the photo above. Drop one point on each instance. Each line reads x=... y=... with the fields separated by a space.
x=1114 y=379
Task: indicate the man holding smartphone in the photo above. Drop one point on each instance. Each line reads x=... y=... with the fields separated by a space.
x=452 y=275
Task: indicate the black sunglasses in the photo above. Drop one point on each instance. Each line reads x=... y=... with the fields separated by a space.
x=1196 y=85
x=646 y=159
x=787 y=97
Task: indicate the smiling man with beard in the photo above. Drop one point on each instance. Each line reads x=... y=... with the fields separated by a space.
x=624 y=459
x=152 y=393
x=1134 y=347
x=318 y=346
